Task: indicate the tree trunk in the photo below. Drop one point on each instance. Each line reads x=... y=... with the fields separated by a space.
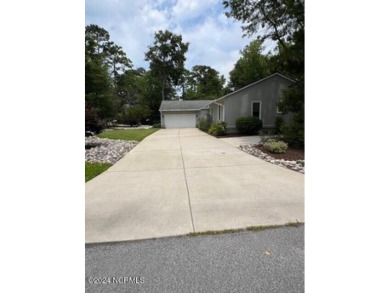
x=162 y=89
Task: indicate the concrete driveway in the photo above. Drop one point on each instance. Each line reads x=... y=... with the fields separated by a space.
x=241 y=140
x=178 y=181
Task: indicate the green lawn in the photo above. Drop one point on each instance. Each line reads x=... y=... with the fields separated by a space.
x=94 y=169
x=128 y=134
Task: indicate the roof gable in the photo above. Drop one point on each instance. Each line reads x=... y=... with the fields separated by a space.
x=255 y=83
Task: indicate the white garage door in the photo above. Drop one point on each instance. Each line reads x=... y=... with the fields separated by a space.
x=180 y=120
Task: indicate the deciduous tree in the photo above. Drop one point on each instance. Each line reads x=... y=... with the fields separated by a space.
x=167 y=57
x=252 y=66
x=203 y=83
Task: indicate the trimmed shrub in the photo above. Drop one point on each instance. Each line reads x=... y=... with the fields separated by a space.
x=275 y=146
x=157 y=125
x=278 y=124
x=204 y=124
x=218 y=129
x=248 y=125
x=266 y=138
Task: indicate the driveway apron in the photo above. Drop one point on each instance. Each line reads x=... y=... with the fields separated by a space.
x=178 y=181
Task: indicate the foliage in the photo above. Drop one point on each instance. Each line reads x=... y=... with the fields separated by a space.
x=203 y=83
x=128 y=134
x=275 y=146
x=94 y=169
x=131 y=88
x=92 y=121
x=96 y=41
x=167 y=56
x=102 y=59
x=152 y=95
x=157 y=125
x=248 y=125
x=251 y=67
x=278 y=19
x=265 y=138
x=98 y=88
x=293 y=99
x=99 y=47
x=97 y=78
x=218 y=129
x=278 y=124
x=294 y=133
x=134 y=115
x=204 y=124
x=117 y=59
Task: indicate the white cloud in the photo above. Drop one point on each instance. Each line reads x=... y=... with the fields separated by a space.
x=215 y=43
x=214 y=39
x=185 y=10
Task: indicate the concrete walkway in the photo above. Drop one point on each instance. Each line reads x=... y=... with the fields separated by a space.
x=178 y=181
x=241 y=140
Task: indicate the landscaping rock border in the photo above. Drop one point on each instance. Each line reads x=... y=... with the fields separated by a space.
x=104 y=150
x=293 y=165
x=124 y=126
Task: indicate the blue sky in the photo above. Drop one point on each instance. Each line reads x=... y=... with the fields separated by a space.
x=214 y=39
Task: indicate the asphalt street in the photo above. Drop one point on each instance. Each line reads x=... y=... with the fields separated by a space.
x=248 y=261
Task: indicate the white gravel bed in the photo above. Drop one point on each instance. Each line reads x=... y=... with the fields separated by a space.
x=119 y=127
x=293 y=165
x=106 y=150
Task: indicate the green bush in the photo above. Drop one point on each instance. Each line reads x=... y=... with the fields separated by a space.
x=218 y=129
x=275 y=146
x=278 y=124
x=294 y=132
x=248 y=125
x=157 y=125
x=204 y=124
x=266 y=138
x=136 y=114
x=92 y=121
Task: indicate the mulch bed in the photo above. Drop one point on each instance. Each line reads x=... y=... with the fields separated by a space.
x=290 y=155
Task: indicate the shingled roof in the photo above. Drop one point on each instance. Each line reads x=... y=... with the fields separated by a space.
x=189 y=105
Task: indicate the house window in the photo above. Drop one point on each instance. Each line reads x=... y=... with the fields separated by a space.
x=256 y=109
x=278 y=110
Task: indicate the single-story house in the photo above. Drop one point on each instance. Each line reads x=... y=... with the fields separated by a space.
x=258 y=99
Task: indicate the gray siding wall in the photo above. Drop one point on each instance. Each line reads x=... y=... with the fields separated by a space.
x=267 y=92
x=214 y=111
x=202 y=114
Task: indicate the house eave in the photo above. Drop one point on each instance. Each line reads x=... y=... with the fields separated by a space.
x=180 y=110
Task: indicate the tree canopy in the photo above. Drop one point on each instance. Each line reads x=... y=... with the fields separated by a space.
x=279 y=20
x=252 y=66
x=203 y=83
x=98 y=46
x=167 y=57
x=103 y=59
